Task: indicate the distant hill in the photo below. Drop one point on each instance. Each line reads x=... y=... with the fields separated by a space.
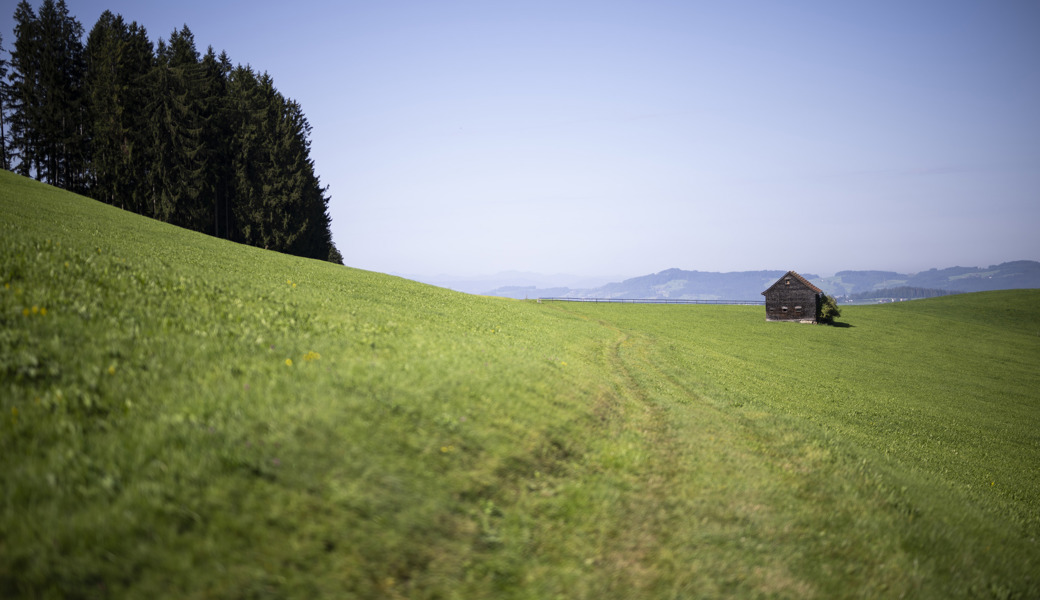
x=512 y=284
x=748 y=285
x=1019 y=274
x=671 y=283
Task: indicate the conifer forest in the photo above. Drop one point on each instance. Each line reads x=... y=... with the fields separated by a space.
x=159 y=129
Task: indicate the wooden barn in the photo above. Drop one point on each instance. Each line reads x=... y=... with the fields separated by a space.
x=792 y=298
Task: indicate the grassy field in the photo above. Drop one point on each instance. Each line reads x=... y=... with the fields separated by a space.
x=187 y=418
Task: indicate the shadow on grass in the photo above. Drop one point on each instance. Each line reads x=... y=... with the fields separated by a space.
x=837 y=324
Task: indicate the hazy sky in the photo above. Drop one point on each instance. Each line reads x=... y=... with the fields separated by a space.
x=624 y=138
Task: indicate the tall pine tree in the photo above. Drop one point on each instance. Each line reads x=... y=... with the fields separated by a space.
x=118 y=60
x=45 y=95
x=311 y=215
x=63 y=140
x=251 y=101
x=137 y=62
x=211 y=106
x=24 y=93
x=176 y=128
x=279 y=203
x=4 y=163
x=105 y=91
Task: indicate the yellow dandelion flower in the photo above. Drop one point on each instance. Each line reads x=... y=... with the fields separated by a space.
x=312 y=356
x=36 y=310
x=112 y=369
x=288 y=362
x=25 y=312
x=43 y=311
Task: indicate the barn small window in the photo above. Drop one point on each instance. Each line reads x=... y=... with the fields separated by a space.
x=783 y=308
x=787 y=281
x=798 y=308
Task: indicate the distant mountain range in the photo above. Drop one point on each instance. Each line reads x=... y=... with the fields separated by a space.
x=748 y=285
x=509 y=279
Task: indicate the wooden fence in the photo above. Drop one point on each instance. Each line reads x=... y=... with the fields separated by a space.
x=655 y=301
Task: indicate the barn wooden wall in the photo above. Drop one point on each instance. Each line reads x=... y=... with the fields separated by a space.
x=791 y=296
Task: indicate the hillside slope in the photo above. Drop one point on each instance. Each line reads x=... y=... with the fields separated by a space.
x=185 y=417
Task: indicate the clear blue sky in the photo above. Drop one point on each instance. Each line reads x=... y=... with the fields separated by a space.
x=623 y=138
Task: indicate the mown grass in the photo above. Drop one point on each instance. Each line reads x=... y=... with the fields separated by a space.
x=184 y=417
x=896 y=456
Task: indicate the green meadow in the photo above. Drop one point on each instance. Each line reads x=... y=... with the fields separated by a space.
x=183 y=417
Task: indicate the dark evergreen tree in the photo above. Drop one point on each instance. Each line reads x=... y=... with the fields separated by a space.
x=311 y=217
x=62 y=116
x=105 y=90
x=24 y=95
x=137 y=151
x=251 y=101
x=4 y=164
x=161 y=133
x=222 y=203
x=176 y=176
x=118 y=59
x=212 y=109
x=45 y=95
x=279 y=203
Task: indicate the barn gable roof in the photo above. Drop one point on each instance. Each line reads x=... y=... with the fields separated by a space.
x=796 y=277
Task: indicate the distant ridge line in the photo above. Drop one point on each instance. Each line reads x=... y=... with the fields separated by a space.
x=656 y=301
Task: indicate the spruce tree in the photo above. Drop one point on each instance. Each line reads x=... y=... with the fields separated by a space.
x=212 y=112
x=105 y=93
x=61 y=118
x=219 y=133
x=250 y=104
x=45 y=95
x=311 y=218
x=279 y=202
x=24 y=96
x=176 y=176
x=4 y=163
x=137 y=151
x=118 y=59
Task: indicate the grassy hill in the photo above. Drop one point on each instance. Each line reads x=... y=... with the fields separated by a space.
x=187 y=418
